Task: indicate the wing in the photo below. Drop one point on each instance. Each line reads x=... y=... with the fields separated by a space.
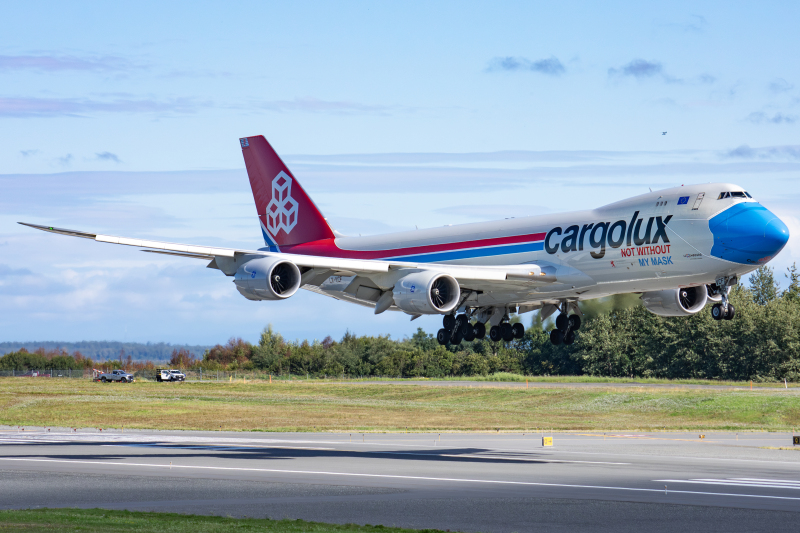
x=318 y=269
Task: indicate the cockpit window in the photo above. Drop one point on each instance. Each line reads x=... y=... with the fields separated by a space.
x=734 y=194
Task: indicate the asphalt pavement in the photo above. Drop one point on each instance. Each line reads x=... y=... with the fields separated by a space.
x=462 y=482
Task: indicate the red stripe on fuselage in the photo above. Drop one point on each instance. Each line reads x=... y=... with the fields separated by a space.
x=328 y=248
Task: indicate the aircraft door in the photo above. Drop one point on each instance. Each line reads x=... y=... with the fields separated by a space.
x=699 y=200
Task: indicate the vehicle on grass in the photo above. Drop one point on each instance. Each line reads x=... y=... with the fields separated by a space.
x=679 y=248
x=115 y=375
x=170 y=375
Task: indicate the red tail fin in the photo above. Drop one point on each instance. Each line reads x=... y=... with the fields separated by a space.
x=287 y=214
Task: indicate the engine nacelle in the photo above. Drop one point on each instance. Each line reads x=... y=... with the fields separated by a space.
x=676 y=302
x=426 y=293
x=267 y=278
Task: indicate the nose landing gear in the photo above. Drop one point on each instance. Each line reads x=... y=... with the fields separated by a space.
x=724 y=310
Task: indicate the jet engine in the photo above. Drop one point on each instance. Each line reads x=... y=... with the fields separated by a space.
x=267 y=278
x=684 y=301
x=426 y=293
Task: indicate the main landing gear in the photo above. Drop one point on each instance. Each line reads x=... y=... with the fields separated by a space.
x=723 y=310
x=458 y=328
x=566 y=326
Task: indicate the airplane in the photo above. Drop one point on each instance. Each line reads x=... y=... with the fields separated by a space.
x=679 y=248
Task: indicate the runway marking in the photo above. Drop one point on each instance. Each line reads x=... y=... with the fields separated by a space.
x=740 y=482
x=163 y=467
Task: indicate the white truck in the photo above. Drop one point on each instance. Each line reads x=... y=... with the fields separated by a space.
x=170 y=375
x=114 y=375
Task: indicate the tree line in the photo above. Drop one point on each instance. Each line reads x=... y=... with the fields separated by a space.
x=618 y=338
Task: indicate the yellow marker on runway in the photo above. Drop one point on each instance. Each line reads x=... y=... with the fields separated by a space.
x=547 y=441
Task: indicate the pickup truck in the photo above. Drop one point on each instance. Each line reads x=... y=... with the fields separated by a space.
x=170 y=375
x=115 y=375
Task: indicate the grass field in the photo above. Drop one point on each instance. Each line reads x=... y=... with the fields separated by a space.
x=99 y=520
x=509 y=377
x=320 y=406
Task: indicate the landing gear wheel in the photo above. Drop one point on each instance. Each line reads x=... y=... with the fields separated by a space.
x=574 y=322
x=495 y=334
x=569 y=338
x=562 y=321
x=449 y=322
x=519 y=330
x=731 y=312
x=442 y=336
x=462 y=323
x=480 y=330
x=456 y=336
x=716 y=312
x=556 y=337
x=507 y=331
x=469 y=335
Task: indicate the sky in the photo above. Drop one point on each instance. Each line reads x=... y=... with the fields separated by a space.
x=124 y=119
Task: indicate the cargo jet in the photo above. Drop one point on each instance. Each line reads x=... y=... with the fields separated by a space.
x=680 y=248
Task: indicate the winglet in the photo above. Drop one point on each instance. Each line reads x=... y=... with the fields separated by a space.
x=62 y=231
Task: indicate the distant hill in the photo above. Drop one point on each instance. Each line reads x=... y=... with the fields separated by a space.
x=105 y=350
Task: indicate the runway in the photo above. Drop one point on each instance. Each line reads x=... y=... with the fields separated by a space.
x=466 y=482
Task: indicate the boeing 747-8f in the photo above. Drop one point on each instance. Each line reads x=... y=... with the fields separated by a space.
x=679 y=248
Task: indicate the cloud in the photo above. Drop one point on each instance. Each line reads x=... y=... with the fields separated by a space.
x=790 y=152
x=780 y=85
x=743 y=151
x=315 y=105
x=65 y=160
x=52 y=107
x=638 y=68
x=759 y=117
x=107 y=156
x=51 y=63
x=28 y=153
x=550 y=66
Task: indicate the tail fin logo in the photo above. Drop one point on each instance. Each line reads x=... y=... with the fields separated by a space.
x=282 y=208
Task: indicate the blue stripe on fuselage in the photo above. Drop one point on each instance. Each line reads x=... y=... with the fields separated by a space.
x=273 y=247
x=473 y=252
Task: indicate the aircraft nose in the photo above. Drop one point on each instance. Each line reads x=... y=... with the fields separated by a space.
x=776 y=234
x=748 y=233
